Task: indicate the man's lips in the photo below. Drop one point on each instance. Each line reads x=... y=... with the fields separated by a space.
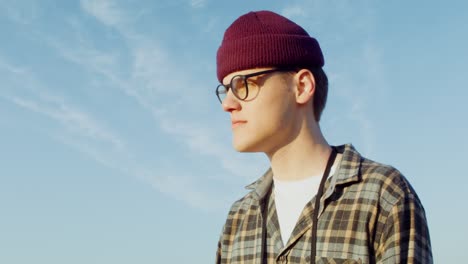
x=236 y=123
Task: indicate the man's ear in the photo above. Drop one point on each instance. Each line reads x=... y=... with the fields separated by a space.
x=305 y=86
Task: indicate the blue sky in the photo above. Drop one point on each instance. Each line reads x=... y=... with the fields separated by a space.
x=116 y=150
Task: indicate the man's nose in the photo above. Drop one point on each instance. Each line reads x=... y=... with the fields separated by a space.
x=230 y=102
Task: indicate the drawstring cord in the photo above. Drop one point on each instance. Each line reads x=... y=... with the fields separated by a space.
x=264 y=227
x=313 y=244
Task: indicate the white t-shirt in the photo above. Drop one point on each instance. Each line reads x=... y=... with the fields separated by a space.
x=291 y=198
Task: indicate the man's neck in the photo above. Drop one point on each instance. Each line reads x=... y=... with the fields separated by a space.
x=305 y=156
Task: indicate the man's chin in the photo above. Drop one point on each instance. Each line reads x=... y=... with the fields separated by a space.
x=243 y=147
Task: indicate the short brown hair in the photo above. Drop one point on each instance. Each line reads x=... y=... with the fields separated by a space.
x=321 y=92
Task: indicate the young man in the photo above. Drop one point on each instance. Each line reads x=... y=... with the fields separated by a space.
x=318 y=203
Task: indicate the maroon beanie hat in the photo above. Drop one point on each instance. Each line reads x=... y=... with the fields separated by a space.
x=266 y=39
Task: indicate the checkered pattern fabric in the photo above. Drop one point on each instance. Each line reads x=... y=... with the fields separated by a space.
x=369 y=213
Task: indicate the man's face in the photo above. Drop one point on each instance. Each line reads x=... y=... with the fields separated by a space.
x=266 y=122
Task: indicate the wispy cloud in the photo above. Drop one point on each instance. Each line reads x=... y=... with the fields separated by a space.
x=143 y=71
x=153 y=69
x=151 y=75
x=85 y=55
x=180 y=187
x=354 y=114
x=175 y=185
x=13 y=69
x=197 y=3
x=152 y=72
x=23 y=13
x=104 y=10
x=293 y=10
x=84 y=133
x=71 y=118
x=324 y=20
x=29 y=93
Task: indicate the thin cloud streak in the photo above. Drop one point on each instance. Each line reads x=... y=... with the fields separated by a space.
x=177 y=187
x=72 y=119
x=16 y=70
x=87 y=135
x=349 y=20
x=197 y=3
x=23 y=13
x=147 y=77
x=292 y=11
x=150 y=72
x=152 y=68
x=104 y=10
x=83 y=133
x=151 y=75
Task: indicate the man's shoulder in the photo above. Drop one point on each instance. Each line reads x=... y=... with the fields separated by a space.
x=257 y=190
x=244 y=208
x=243 y=204
x=387 y=180
x=385 y=174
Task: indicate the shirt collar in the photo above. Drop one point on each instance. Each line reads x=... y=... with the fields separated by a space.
x=347 y=172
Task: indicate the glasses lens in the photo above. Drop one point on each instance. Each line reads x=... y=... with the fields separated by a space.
x=252 y=89
x=221 y=92
x=239 y=87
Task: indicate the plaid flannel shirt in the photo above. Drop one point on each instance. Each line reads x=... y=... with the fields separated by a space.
x=369 y=213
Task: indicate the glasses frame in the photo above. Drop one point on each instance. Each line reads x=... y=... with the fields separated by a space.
x=244 y=77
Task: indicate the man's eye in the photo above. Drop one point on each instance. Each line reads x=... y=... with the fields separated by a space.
x=237 y=82
x=251 y=82
x=241 y=91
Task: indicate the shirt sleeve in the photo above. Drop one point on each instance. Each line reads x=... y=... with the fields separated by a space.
x=405 y=238
x=218 y=251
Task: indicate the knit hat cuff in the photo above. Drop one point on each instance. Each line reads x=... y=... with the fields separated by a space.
x=268 y=50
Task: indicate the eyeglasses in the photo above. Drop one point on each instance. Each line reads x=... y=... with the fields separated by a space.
x=243 y=88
